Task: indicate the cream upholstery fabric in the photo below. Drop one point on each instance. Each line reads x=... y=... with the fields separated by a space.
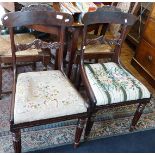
x=113 y=84
x=5 y=48
x=45 y=94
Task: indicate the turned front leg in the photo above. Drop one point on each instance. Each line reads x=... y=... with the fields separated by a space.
x=137 y=115
x=16 y=135
x=79 y=130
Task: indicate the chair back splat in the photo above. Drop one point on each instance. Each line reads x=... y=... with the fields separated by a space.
x=107 y=15
x=44 y=18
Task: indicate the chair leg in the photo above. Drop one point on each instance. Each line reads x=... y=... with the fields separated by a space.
x=0 y=81
x=70 y=65
x=137 y=116
x=45 y=63
x=56 y=61
x=75 y=74
x=76 y=70
x=17 y=141
x=78 y=77
x=96 y=60
x=89 y=125
x=34 y=66
x=45 y=67
x=79 y=80
x=79 y=130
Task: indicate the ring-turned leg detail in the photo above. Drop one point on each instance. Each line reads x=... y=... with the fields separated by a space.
x=79 y=130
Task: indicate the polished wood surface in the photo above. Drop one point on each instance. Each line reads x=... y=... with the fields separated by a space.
x=146 y=56
x=152 y=15
x=15 y=19
x=149 y=32
x=144 y=59
x=142 y=12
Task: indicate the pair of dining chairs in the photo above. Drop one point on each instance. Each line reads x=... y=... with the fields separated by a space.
x=48 y=96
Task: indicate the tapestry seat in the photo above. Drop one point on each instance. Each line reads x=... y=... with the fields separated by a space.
x=111 y=83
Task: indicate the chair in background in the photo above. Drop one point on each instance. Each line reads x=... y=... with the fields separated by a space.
x=47 y=96
x=105 y=50
x=129 y=7
x=27 y=56
x=110 y=84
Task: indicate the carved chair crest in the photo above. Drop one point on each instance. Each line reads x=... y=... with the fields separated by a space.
x=107 y=14
x=103 y=40
x=38 y=7
x=38 y=44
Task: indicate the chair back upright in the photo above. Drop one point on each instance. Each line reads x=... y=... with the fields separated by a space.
x=106 y=15
x=46 y=19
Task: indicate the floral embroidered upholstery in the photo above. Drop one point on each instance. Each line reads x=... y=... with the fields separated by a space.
x=113 y=84
x=45 y=94
x=5 y=49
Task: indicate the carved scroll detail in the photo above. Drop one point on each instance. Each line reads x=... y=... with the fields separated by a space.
x=38 y=7
x=103 y=40
x=109 y=9
x=38 y=44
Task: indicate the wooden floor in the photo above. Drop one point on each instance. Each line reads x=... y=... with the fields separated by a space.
x=126 y=56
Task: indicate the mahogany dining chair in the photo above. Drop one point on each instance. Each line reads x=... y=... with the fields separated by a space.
x=42 y=97
x=110 y=84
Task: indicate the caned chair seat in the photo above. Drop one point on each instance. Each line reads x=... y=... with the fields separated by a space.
x=45 y=94
x=97 y=48
x=113 y=84
x=5 y=49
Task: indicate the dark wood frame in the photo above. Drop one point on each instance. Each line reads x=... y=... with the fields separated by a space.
x=45 y=19
x=107 y=15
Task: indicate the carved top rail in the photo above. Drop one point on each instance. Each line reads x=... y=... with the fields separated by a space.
x=38 y=44
x=38 y=7
x=108 y=14
x=109 y=8
x=27 y=18
x=103 y=40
